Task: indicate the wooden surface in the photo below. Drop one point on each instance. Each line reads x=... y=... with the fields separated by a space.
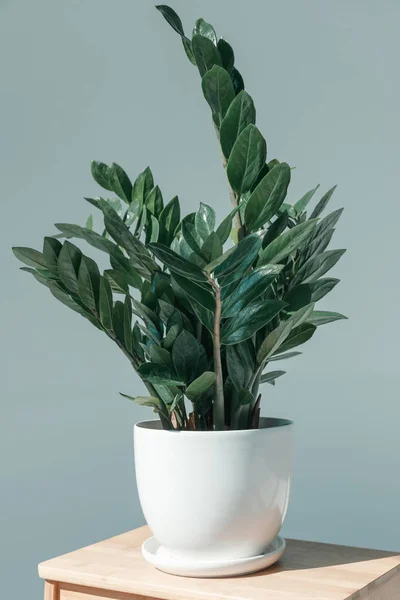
x=115 y=570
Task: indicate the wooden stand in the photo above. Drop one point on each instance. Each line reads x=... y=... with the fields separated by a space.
x=115 y=570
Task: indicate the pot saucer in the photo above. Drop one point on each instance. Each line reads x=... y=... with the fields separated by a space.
x=157 y=556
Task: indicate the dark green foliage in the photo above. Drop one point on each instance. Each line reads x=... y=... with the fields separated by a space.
x=200 y=309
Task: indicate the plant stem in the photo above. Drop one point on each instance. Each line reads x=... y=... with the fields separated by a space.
x=219 y=401
x=233 y=196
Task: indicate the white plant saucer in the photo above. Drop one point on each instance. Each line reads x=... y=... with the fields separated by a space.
x=157 y=556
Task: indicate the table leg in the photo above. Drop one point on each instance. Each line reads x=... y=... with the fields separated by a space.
x=50 y=590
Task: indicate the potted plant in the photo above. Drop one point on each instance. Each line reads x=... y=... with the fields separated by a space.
x=203 y=312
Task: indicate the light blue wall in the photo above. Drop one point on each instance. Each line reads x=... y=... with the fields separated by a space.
x=90 y=79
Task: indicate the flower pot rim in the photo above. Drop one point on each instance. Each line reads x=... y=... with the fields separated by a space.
x=267 y=423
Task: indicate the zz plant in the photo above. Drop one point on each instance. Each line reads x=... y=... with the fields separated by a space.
x=199 y=323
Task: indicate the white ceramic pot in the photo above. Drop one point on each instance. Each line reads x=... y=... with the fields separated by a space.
x=210 y=495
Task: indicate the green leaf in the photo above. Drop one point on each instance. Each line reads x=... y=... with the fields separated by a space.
x=273 y=340
x=299 y=335
x=249 y=320
x=191 y=237
x=169 y=221
x=205 y=316
x=118 y=321
x=218 y=91
x=204 y=221
x=237 y=80
x=240 y=114
x=238 y=369
x=160 y=355
x=176 y=263
x=185 y=356
x=315 y=247
x=268 y=197
x=153 y=229
x=124 y=267
x=200 y=385
x=151 y=401
x=156 y=373
x=212 y=247
x=61 y=295
x=322 y=203
x=246 y=159
x=203 y=28
x=102 y=175
x=199 y=294
x=120 y=183
x=249 y=289
x=271 y=376
x=105 y=303
x=30 y=257
x=275 y=229
x=68 y=263
x=89 y=222
x=51 y=250
x=245 y=398
x=321 y=317
x=225 y=227
x=287 y=243
x=298 y=296
x=205 y=53
x=171 y=17
x=91 y=237
x=242 y=256
x=154 y=201
x=89 y=282
x=303 y=202
x=128 y=322
x=117 y=281
x=227 y=55
x=283 y=356
x=321 y=287
x=315 y=267
x=327 y=223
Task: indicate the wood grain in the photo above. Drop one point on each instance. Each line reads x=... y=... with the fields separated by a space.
x=74 y=592
x=307 y=571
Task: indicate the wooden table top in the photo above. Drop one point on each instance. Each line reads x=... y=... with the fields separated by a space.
x=307 y=571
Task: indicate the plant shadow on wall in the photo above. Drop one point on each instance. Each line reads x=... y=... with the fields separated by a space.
x=200 y=323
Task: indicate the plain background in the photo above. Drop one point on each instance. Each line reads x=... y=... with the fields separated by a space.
x=88 y=79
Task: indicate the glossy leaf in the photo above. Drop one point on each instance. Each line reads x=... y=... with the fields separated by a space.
x=156 y=373
x=154 y=201
x=102 y=175
x=246 y=159
x=200 y=385
x=212 y=247
x=176 y=263
x=283 y=356
x=271 y=376
x=117 y=281
x=151 y=401
x=51 y=250
x=239 y=115
x=171 y=17
x=243 y=254
x=30 y=257
x=321 y=317
x=227 y=55
x=250 y=288
x=205 y=316
x=185 y=356
x=321 y=287
x=205 y=53
x=160 y=355
x=218 y=91
x=299 y=335
x=225 y=227
x=298 y=296
x=322 y=203
x=284 y=245
x=120 y=183
x=327 y=223
x=105 y=303
x=302 y=204
x=168 y=221
x=203 y=28
x=238 y=369
x=204 y=221
x=249 y=320
x=68 y=263
x=245 y=398
x=58 y=292
x=317 y=267
x=268 y=197
x=89 y=282
x=191 y=238
x=237 y=80
x=275 y=229
x=91 y=237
